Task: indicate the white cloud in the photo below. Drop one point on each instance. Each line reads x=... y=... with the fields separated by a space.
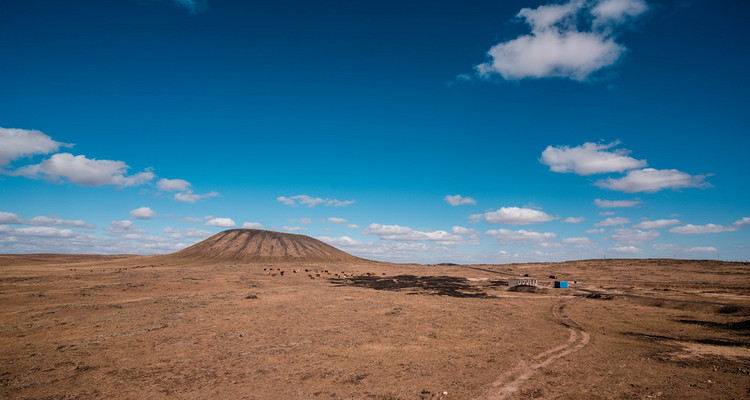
x=606 y=213
x=9 y=218
x=574 y=220
x=600 y=230
x=708 y=249
x=142 y=213
x=294 y=228
x=515 y=216
x=457 y=200
x=305 y=221
x=173 y=185
x=613 y=221
x=42 y=231
x=16 y=143
x=633 y=236
x=679 y=248
x=353 y=226
x=309 y=201
x=191 y=219
x=691 y=229
x=221 y=222
x=55 y=221
x=14 y=219
x=177 y=233
x=508 y=236
x=652 y=180
x=589 y=159
x=252 y=225
x=118 y=228
x=190 y=197
x=336 y=220
x=84 y=171
x=616 y=203
x=578 y=241
x=559 y=44
x=626 y=249
x=617 y=11
x=407 y=234
x=656 y=224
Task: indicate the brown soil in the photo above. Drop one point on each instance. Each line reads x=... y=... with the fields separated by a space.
x=253 y=245
x=163 y=328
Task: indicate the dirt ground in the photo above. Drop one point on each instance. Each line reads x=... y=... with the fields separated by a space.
x=88 y=327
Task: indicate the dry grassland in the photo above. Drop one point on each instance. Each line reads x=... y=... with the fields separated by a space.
x=88 y=327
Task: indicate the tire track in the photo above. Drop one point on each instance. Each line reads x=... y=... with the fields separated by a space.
x=510 y=381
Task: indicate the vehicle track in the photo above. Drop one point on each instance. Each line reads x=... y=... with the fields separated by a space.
x=511 y=381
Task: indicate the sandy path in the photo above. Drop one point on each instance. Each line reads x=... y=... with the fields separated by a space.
x=510 y=381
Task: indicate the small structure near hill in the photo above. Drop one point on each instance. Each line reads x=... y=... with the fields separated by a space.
x=525 y=281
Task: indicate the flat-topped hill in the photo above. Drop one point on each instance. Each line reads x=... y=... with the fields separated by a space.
x=254 y=245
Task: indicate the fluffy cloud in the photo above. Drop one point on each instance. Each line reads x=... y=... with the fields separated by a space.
x=655 y=224
x=294 y=228
x=616 y=203
x=55 y=221
x=578 y=241
x=514 y=216
x=574 y=220
x=177 y=233
x=626 y=249
x=589 y=159
x=613 y=221
x=407 y=234
x=336 y=220
x=652 y=180
x=679 y=248
x=119 y=228
x=142 y=213
x=84 y=171
x=599 y=230
x=42 y=231
x=691 y=229
x=304 y=199
x=173 y=185
x=190 y=197
x=16 y=143
x=557 y=46
x=617 y=11
x=633 y=236
x=252 y=225
x=509 y=236
x=457 y=200
x=9 y=218
x=221 y=222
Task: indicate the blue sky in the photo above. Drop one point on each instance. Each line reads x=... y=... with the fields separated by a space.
x=451 y=131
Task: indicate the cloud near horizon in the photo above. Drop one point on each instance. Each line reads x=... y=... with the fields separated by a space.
x=562 y=43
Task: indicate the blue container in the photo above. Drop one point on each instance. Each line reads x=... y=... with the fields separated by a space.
x=561 y=284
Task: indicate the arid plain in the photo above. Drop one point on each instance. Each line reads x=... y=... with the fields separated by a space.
x=263 y=315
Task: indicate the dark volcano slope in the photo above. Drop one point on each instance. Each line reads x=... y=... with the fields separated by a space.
x=253 y=245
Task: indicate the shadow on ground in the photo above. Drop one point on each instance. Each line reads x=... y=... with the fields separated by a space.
x=432 y=285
